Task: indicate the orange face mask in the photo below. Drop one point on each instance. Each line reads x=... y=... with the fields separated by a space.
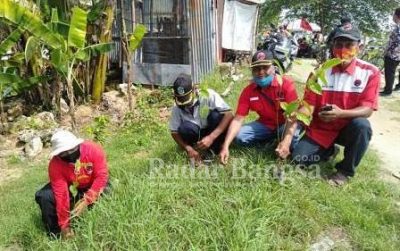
x=345 y=53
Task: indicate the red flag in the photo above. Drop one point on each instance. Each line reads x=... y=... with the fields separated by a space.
x=305 y=25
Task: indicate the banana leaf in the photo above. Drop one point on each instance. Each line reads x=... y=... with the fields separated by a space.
x=77 y=29
x=25 y=20
x=9 y=42
x=137 y=37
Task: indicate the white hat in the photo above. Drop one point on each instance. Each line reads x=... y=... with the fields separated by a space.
x=62 y=141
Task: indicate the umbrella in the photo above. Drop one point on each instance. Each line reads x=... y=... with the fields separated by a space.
x=303 y=25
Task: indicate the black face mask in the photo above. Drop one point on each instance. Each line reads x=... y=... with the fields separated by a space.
x=72 y=157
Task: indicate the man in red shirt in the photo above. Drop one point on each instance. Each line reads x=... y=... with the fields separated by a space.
x=340 y=113
x=263 y=95
x=78 y=175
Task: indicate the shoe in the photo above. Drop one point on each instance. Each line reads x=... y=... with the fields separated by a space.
x=385 y=94
x=397 y=87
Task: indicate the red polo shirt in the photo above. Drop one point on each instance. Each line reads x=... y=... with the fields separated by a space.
x=254 y=98
x=91 y=173
x=356 y=85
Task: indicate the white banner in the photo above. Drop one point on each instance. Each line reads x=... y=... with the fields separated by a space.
x=239 y=26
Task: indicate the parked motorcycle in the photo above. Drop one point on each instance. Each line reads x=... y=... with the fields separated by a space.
x=283 y=49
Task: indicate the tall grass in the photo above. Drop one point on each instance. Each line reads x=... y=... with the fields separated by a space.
x=222 y=212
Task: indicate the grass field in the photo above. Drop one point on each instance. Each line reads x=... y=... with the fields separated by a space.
x=215 y=208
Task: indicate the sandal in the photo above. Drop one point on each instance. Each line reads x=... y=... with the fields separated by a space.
x=338 y=179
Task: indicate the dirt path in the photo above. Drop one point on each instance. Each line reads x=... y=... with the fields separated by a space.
x=386 y=128
x=385 y=124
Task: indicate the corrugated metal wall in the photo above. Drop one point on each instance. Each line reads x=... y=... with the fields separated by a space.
x=202 y=22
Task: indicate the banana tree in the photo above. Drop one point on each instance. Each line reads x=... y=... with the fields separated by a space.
x=74 y=51
x=11 y=85
x=66 y=51
x=104 y=37
x=129 y=46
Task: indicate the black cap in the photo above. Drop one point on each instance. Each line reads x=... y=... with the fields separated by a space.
x=345 y=20
x=183 y=89
x=348 y=31
x=262 y=57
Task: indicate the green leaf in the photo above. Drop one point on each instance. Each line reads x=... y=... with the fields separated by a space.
x=74 y=190
x=315 y=87
x=28 y=21
x=6 y=78
x=26 y=84
x=100 y=48
x=83 y=55
x=204 y=111
x=14 y=85
x=306 y=119
x=54 y=16
x=9 y=42
x=204 y=92
x=59 y=60
x=284 y=105
x=96 y=11
x=31 y=47
x=291 y=108
x=321 y=75
x=77 y=29
x=330 y=63
x=137 y=37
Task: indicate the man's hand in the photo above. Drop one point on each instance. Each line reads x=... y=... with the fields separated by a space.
x=193 y=154
x=283 y=150
x=328 y=116
x=224 y=155
x=205 y=143
x=79 y=208
x=67 y=233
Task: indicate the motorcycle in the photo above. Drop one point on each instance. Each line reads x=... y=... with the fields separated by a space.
x=283 y=49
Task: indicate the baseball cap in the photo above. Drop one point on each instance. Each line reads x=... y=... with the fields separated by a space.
x=348 y=31
x=261 y=58
x=183 y=89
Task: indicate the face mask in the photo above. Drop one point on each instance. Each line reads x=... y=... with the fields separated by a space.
x=185 y=106
x=345 y=53
x=263 y=82
x=72 y=157
x=188 y=105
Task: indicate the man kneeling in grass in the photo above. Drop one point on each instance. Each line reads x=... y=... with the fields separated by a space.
x=340 y=113
x=198 y=123
x=78 y=175
x=263 y=95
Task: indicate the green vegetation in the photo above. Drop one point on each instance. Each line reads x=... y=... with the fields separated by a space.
x=228 y=211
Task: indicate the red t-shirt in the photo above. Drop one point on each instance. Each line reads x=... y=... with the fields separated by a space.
x=92 y=175
x=355 y=86
x=253 y=98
